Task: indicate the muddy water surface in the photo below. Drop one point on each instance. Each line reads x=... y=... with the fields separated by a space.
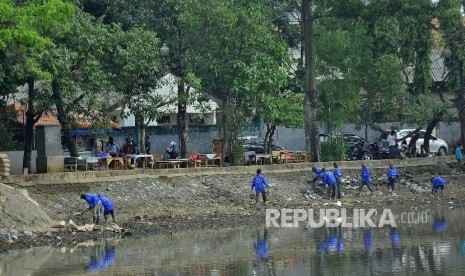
x=435 y=246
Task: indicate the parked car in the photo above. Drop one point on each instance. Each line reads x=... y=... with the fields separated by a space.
x=349 y=138
x=258 y=148
x=436 y=145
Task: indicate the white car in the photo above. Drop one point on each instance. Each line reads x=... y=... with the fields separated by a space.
x=436 y=145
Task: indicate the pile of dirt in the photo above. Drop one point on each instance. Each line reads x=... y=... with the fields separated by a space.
x=19 y=211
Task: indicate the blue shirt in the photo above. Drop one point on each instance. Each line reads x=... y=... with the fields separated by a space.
x=368 y=240
x=366 y=178
x=337 y=173
x=395 y=238
x=438 y=181
x=440 y=225
x=259 y=183
x=328 y=179
x=106 y=261
x=261 y=250
x=92 y=200
x=458 y=153
x=106 y=203
x=392 y=173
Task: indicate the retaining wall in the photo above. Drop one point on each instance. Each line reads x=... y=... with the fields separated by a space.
x=49 y=178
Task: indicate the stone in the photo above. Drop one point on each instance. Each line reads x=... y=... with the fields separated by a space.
x=14 y=234
x=5 y=235
x=27 y=233
x=61 y=224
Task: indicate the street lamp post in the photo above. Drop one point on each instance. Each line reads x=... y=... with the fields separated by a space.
x=164 y=50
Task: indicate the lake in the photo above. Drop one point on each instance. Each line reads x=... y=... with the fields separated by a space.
x=432 y=247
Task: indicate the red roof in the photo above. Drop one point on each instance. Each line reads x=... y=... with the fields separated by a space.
x=50 y=118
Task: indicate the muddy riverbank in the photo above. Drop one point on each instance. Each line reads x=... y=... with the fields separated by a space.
x=150 y=204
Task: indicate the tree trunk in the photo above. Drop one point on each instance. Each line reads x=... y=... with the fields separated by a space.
x=460 y=103
x=29 y=125
x=270 y=129
x=64 y=120
x=141 y=132
x=431 y=125
x=311 y=93
x=183 y=122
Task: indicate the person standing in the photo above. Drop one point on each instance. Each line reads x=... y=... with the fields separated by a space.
x=366 y=179
x=108 y=208
x=438 y=183
x=94 y=206
x=458 y=155
x=317 y=175
x=392 y=175
x=259 y=183
x=338 y=175
x=413 y=145
x=392 y=143
x=330 y=181
x=148 y=145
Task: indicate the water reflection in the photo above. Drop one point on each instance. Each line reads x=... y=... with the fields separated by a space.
x=261 y=246
x=103 y=257
x=405 y=250
x=265 y=264
x=462 y=247
x=394 y=235
x=332 y=241
x=368 y=240
x=439 y=221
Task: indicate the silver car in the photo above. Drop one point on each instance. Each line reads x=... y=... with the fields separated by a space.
x=436 y=145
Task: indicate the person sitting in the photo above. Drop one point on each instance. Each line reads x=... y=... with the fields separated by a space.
x=112 y=147
x=130 y=146
x=422 y=152
x=171 y=151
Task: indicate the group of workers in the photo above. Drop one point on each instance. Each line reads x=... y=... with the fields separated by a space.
x=332 y=180
x=98 y=204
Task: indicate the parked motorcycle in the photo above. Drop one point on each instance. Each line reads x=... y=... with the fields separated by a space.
x=379 y=152
x=359 y=151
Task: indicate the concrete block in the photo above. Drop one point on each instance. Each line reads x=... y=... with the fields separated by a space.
x=50 y=164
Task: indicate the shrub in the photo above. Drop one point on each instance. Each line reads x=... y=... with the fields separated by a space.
x=333 y=151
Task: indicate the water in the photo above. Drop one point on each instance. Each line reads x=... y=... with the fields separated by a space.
x=435 y=247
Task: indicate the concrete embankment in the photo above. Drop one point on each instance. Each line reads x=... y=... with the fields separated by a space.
x=97 y=175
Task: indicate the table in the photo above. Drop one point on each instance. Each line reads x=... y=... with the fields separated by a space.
x=72 y=163
x=118 y=160
x=263 y=157
x=174 y=164
x=182 y=160
x=93 y=163
x=206 y=157
x=144 y=157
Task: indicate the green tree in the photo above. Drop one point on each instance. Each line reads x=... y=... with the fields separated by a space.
x=77 y=64
x=135 y=74
x=451 y=30
x=243 y=63
x=25 y=29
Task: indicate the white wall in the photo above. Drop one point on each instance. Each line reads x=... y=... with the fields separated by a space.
x=16 y=161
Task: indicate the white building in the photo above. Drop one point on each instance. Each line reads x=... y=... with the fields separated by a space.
x=200 y=113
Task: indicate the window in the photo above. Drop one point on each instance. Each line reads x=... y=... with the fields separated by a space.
x=196 y=119
x=164 y=120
